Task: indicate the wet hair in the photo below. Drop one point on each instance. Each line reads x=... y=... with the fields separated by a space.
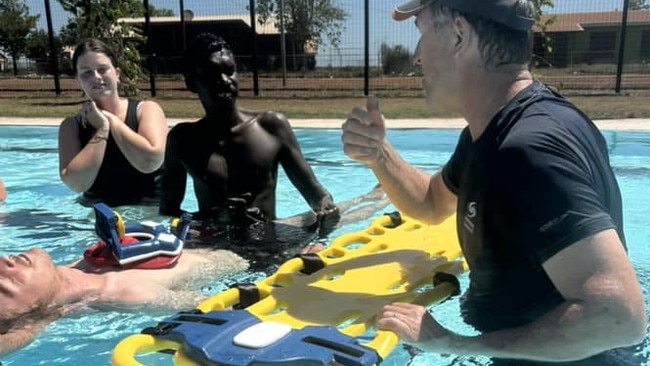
x=499 y=44
x=12 y=321
x=93 y=45
x=8 y=318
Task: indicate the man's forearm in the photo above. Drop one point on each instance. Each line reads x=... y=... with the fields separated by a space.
x=406 y=186
x=570 y=332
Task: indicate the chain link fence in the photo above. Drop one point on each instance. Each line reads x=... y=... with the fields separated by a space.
x=588 y=47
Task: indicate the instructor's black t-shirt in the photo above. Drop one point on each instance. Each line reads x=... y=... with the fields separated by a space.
x=537 y=180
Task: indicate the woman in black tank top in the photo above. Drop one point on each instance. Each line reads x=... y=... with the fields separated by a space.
x=113 y=149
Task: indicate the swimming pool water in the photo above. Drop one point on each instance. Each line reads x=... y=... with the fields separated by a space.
x=42 y=212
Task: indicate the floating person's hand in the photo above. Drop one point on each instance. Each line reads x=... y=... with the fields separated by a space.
x=313 y=248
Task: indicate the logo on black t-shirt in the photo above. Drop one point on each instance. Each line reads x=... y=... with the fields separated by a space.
x=469 y=216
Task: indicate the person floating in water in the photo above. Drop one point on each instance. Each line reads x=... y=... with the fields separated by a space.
x=134 y=266
x=233 y=154
x=35 y=292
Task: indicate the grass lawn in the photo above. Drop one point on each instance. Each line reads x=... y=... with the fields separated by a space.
x=598 y=107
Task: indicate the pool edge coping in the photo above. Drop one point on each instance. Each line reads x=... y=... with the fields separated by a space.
x=631 y=124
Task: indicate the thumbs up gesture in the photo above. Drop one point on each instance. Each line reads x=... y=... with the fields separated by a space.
x=364 y=133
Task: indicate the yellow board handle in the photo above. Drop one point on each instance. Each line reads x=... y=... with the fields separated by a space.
x=125 y=351
x=121 y=229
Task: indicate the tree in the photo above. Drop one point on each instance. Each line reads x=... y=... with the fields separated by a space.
x=69 y=34
x=638 y=5
x=542 y=24
x=99 y=19
x=38 y=44
x=396 y=59
x=155 y=12
x=16 y=25
x=539 y=21
x=308 y=22
x=38 y=49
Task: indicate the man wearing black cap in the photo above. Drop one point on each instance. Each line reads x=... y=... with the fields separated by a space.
x=538 y=207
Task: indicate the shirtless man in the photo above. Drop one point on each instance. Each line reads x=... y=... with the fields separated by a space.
x=34 y=291
x=233 y=154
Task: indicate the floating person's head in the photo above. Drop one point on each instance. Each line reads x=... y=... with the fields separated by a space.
x=28 y=283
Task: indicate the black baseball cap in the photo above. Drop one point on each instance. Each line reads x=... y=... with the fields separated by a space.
x=506 y=12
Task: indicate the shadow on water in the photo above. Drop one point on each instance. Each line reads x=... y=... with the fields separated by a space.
x=37 y=150
x=627 y=143
x=40 y=224
x=637 y=171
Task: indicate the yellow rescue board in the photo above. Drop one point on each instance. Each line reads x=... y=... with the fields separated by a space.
x=396 y=258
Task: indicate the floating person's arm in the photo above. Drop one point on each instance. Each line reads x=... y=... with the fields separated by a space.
x=353 y=210
x=16 y=339
x=21 y=335
x=376 y=200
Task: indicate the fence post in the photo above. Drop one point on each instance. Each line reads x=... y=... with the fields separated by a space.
x=54 y=53
x=366 y=48
x=181 y=5
x=283 y=47
x=150 y=55
x=256 y=86
x=621 y=47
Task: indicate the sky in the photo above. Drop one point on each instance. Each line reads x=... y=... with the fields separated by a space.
x=382 y=28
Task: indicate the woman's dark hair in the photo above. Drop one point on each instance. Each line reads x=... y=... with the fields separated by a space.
x=93 y=45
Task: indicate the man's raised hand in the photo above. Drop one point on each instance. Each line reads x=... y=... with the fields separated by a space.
x=364 y=133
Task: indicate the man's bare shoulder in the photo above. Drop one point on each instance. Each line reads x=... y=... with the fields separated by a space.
x=275 y=123
x=186 y=134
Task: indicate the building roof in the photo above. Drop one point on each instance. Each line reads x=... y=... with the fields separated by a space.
x=577 y=22
x=267 y=28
